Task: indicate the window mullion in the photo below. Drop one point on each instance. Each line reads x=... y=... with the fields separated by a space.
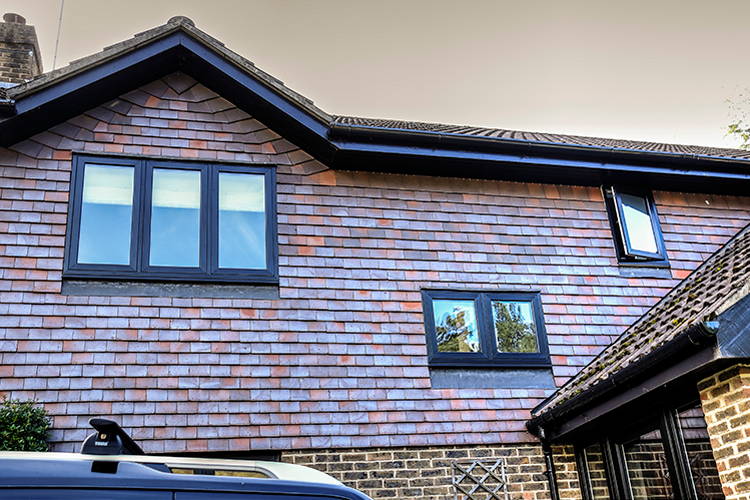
x=584 y=476
x=617 y=471
x=677 y=458
x=484 y=310
x=139 y=218
x=209 y=217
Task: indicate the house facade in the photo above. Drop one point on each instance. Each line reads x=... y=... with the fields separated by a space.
x=192 y=249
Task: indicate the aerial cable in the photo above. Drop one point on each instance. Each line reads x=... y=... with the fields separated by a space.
x=57 y=42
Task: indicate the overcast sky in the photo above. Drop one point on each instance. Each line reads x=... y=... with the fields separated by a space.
x=649 y=70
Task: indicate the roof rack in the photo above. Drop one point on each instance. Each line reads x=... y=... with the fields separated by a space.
x=109 y=439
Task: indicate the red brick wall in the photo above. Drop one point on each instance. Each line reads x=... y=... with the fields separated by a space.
x=425 y=473
x=724 y=397
x=339 y=360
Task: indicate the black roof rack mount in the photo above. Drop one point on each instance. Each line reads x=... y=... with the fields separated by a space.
x=109 y=439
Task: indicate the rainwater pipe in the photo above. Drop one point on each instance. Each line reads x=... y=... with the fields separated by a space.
x=554 y=493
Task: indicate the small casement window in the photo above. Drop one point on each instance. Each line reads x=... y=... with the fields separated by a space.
x=149 y=219
x=483 y=329
x=635 y=226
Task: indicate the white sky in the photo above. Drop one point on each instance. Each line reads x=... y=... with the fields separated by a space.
x=656 y=70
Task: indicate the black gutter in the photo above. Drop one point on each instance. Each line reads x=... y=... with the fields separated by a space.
x=526 y=148
x=693 y=339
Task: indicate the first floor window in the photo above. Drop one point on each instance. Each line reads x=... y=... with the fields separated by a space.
x=635 y=226
x=484 y=329
x=159 y=220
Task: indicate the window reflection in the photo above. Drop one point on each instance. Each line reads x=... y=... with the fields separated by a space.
x=175 y=218
x=597 y=472
x=638 y=225
x=242 y=221
x=456 y=326
x=106 y=215
x=514 y=326
x=647 y=468
x=700 y=455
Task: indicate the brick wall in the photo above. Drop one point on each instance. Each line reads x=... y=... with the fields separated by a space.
x=566 y=472
x=724 y=397
x=339 y=359
x=20 y=58
x=425 y=473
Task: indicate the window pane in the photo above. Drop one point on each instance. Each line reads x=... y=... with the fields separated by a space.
x=597 y=472
x=701 y=458
x=106 y=215
x=638 y=225
x=515 y=330
x=647 y=468
x=456 y=326
x=175 y=218
x=242 y=221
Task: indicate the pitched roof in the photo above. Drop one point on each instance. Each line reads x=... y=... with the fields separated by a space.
x=146 y=37
x=185 y=24
x=577 y=140
x=717 y=284
x=342 y=142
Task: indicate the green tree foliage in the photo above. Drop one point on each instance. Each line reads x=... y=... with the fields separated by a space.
x=739 y=124
x=513 y=334
x=23 y=426
x=453 y=333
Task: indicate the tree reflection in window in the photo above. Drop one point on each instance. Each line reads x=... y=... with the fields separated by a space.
x=456 y=326
x=515 y=330
x=488 y=329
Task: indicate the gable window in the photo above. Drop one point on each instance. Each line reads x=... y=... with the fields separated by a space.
x=482 y=329
x=635 y=226
x=150 y=219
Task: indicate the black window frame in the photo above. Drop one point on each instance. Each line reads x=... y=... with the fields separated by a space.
x=613 y=442
x=488 y=356
x=626 y=255
x=139 y=269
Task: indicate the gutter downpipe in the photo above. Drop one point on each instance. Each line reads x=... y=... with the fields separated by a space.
x=554 y=493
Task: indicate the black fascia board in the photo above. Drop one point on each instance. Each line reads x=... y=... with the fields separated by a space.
x=698 y=343
x=674 y=386
x=60 y=101
x=258 y=100
x=176 y=51
x=421 y=152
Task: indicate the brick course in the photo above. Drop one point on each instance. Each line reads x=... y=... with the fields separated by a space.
x=724 y=397
x=425 y=473
x=339 y=360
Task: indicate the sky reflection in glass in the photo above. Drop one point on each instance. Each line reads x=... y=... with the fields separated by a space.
x=242 y=221
x=175 y=218
x=638 y=225
x=106 y=215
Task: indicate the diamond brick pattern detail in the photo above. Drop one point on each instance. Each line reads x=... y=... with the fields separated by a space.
x=339 y=359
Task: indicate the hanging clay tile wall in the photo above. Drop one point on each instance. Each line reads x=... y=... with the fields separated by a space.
x=338 y=360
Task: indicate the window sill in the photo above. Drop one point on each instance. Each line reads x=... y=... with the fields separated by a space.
x=636 y=270
x=492 y=378
x=180 y=290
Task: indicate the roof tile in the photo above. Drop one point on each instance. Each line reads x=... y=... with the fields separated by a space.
x=705 y=291
x=542 y=137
